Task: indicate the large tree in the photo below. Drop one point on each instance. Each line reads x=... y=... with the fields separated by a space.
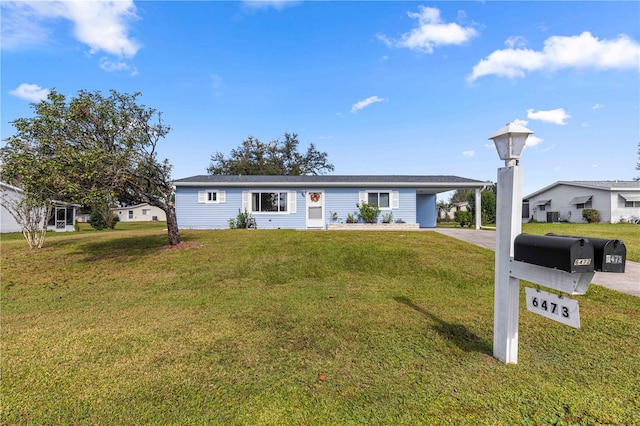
x=92 y=149
x=278 y=157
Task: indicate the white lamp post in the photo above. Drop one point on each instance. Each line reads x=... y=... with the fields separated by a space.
x=509 y=141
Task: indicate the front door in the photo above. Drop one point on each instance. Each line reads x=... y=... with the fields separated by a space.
x=315 y=209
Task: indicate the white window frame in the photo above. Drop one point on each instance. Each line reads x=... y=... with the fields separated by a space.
x=206 y=195
x=394 y=198
x=631 y=204
x=145 y=212
x=290 y=206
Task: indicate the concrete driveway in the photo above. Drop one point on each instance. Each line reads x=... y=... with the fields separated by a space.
x=629 y=282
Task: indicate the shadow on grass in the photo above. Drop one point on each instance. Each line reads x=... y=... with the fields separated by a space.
x=460 y=335
x=124 y=249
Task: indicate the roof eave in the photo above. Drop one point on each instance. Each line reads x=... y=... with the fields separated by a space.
x=334 y=184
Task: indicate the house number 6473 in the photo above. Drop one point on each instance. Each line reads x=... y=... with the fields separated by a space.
x=550 y=306
x=553 y=306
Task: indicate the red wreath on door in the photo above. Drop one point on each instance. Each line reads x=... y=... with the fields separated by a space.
x=315 y=197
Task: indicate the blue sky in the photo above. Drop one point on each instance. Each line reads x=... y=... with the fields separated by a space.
x=384 y=87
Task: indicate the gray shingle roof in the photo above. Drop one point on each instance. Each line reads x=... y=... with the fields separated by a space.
x=607 y=184
x=345 y=180
x=595 y=184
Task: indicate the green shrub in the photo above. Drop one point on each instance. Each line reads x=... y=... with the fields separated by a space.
x=368 y=212
x=351 y=218
x=591 y=215
x=97 y=222
x=387 y=218
x=463 y=218
x=240 y=221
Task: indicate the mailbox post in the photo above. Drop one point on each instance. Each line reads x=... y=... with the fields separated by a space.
x=509 y=141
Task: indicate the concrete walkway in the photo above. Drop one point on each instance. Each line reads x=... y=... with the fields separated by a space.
x=629 y=282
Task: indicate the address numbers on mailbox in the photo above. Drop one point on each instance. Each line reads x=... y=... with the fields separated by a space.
x=552 y=306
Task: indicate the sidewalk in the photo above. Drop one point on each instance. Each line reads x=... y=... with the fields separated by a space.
x=629 y=282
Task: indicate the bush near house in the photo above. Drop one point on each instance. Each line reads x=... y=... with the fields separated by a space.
x=463 y=218
x=368 y=212
x=97 y=222
x=591 y=215
x=240 y=221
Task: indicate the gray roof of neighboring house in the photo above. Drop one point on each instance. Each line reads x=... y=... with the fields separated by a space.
x=607 y=185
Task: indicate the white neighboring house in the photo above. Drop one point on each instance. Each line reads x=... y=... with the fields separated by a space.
x=63 y=215
x=615 y=200
x=140 y=213
x=462 y=206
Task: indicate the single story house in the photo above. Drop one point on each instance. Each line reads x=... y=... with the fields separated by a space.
x=615 y=200
x=143 y=212
x=310 y=202
x=63 y=215
x=450 y=212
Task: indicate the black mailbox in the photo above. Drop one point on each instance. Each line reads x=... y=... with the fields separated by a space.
x=608 y=255
x=569 y=254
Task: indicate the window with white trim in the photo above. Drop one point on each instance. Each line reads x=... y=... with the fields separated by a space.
x=145 y=212
x=382 y=199
x=632 y=203
x=211 y=196
x=269 y=202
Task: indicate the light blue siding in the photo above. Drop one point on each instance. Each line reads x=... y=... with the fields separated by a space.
x=191 y=214
x=426 y=210
x=194 y=215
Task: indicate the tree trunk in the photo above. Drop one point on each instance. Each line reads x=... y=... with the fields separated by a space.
x=172 y=226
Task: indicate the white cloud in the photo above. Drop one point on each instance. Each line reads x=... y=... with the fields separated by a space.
x=20 y=26
x=101 y=25
x=30 y=92
x=365 y=103
x=559 y=52
x=597 y=106
x=515 y=41
x=431 y=32
x=109 y=66
x=265 y=4
x=468 y=154
x=520 y=122
x=555 y=116
x=533 y=140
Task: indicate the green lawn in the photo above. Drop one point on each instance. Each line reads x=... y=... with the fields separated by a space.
x=628 y=233
x=287 y=327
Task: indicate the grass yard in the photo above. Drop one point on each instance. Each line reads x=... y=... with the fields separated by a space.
x=628 y=233
x=286 y=327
